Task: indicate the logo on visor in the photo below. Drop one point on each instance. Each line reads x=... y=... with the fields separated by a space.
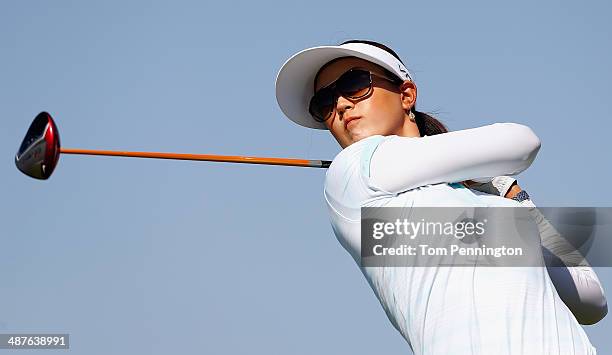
x=403 y=70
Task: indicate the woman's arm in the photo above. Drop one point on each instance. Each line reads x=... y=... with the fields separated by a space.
x=578 y=286
x=404 y=163
x=575 y=280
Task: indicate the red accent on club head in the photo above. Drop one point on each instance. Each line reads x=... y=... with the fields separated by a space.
x=53 y=146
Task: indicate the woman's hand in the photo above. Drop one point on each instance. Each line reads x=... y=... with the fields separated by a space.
x=514 y=189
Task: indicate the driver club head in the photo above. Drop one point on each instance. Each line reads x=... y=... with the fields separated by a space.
x=39 y=152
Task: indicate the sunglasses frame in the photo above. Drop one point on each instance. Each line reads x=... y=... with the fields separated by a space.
x=332 y=86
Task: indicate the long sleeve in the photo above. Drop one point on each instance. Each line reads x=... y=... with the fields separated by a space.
x=404 y=163
x=575 y=280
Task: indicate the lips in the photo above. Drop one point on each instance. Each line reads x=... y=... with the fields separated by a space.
x=349 y=119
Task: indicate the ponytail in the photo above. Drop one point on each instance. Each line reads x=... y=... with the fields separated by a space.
x=428 y=125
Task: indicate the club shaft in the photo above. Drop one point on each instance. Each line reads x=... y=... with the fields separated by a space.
x=202 y=157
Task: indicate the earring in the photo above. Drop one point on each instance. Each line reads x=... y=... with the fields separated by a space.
x=411 y=115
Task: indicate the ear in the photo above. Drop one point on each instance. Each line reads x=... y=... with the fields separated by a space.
x=408 y=94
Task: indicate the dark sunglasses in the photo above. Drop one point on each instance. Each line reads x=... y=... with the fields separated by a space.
x=354 y=84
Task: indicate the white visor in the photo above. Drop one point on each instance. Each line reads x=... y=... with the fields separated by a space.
x=295 y=80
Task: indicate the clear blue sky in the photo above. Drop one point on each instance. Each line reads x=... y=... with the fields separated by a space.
x=155 y=257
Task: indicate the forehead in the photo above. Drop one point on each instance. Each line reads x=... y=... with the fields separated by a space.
x=332 y=70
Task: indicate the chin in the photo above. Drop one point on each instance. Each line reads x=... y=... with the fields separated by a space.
x=358 y=135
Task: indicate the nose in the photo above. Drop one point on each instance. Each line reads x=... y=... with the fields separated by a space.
x=343 y=104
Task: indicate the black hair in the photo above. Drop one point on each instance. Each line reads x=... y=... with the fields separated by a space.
x=426 y=123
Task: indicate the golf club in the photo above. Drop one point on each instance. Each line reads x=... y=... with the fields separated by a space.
x=39 y=152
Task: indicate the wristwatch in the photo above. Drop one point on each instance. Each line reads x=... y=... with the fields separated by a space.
x=521 y=196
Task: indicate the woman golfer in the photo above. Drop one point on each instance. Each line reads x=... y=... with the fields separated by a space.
x=394 y=155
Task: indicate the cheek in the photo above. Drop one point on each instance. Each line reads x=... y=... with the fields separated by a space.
x=384 y=110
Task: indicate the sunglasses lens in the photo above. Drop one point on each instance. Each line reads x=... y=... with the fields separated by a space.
x=354 y=84
x=322 y=104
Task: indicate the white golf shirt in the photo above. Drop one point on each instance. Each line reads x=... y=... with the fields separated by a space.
x=446 y=310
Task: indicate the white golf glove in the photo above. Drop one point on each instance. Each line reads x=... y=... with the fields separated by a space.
x=499 y=185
